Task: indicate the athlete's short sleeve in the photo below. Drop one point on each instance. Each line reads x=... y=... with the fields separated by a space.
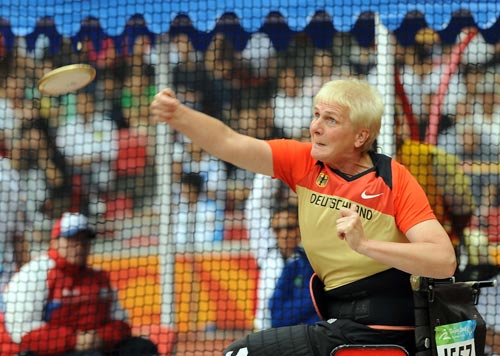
x=411 y=203
x=291 y=160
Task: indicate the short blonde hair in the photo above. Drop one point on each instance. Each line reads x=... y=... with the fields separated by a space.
x=363 y=101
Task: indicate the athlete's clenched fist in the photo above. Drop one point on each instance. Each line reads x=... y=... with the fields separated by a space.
x=164 y=106
x=349 y=227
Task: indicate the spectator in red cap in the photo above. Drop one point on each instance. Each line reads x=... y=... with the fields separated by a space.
x=58 y=305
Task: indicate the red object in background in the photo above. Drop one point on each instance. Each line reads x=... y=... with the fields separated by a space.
x=234 y=226
x=7 y=346
x=132 y=152
x=369 y=350
x=493 y=230
x=120 y=207
x=439 y=96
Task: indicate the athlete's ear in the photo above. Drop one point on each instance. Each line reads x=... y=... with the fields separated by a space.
x=361 y=137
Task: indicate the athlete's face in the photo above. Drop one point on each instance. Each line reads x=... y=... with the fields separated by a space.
x=75 y=249
x=332 y=133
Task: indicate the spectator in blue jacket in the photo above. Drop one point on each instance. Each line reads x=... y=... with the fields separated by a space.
x=291 y=303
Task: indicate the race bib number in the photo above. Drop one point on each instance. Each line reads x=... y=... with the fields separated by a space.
x=456 y=339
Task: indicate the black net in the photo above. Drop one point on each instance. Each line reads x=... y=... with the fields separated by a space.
x=189 y=242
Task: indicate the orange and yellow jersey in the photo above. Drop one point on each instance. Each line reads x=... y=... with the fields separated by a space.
x=389 y=201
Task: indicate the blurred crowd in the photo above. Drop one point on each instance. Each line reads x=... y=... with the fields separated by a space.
x=93 y=151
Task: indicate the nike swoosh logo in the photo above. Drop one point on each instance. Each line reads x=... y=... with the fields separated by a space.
x=370 y=196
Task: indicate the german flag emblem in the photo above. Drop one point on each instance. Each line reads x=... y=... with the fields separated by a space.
x=322 y=180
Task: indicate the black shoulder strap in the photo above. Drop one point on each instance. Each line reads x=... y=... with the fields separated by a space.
x=383 y=167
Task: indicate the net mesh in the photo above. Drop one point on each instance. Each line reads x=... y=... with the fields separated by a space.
x=187 y=239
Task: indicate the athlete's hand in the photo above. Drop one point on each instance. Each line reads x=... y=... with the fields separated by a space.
x=164 y=106
x=349 y=227
x=88 y=340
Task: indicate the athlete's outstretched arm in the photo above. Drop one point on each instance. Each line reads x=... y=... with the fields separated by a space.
x=212 y=135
